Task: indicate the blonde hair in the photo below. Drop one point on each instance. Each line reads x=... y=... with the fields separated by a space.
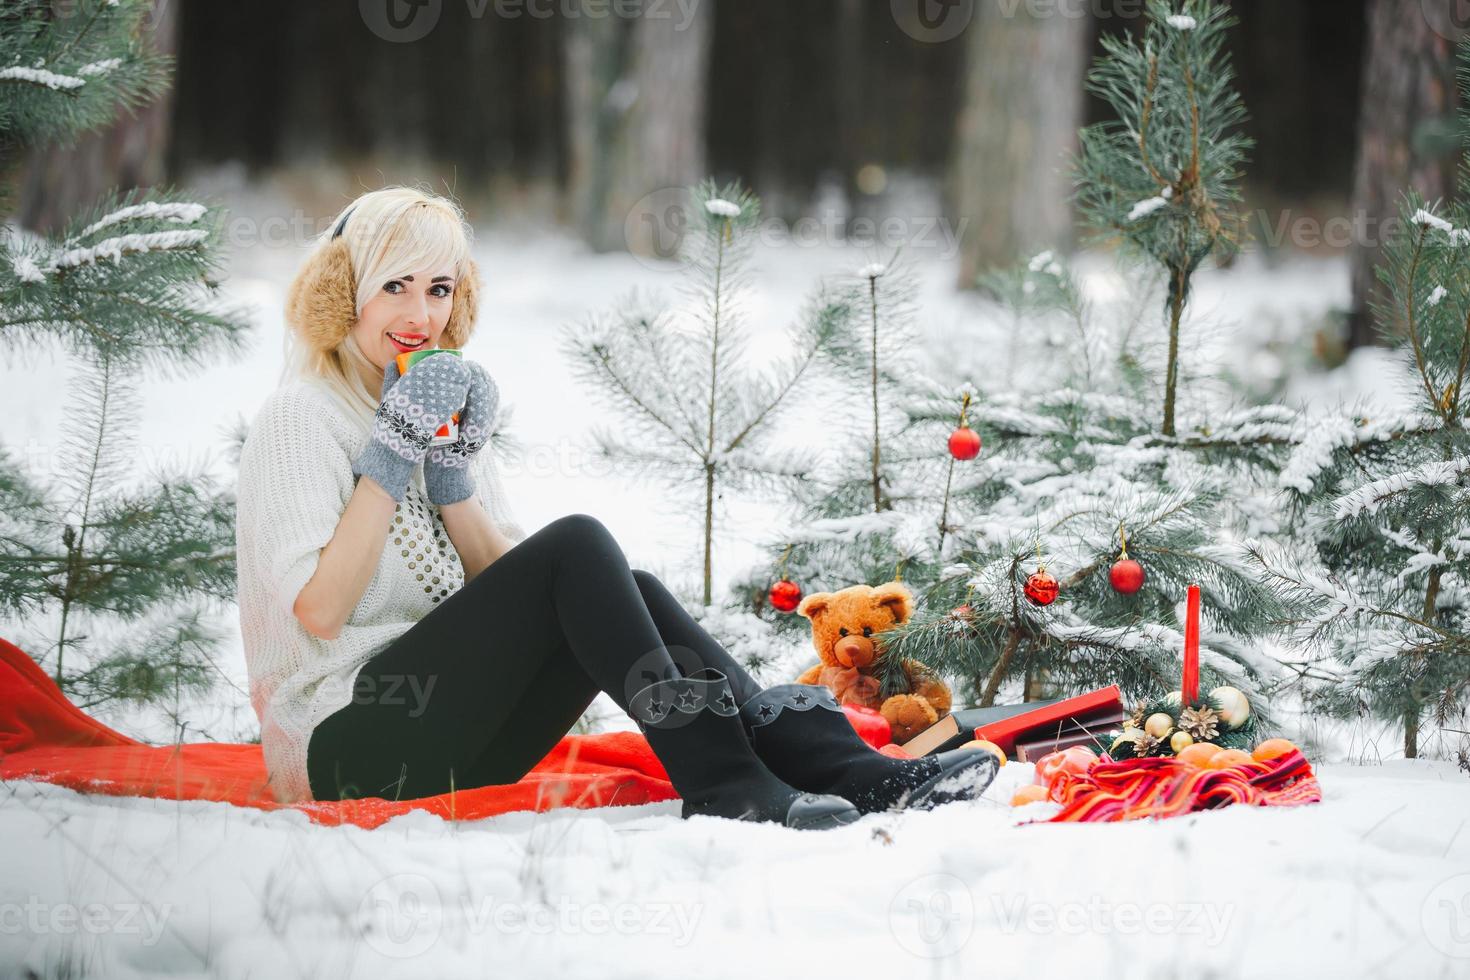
x=384 y=234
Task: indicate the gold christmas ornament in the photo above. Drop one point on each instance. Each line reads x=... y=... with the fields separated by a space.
x=1129 y=736
x=1180 y=741
x=1159 y=724
x=1235 y=710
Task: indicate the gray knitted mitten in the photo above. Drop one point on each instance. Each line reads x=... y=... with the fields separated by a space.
x=413 y=407
x=447 y=475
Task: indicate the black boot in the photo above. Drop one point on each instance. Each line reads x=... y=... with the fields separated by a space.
x=693 y=725
x=802 y=734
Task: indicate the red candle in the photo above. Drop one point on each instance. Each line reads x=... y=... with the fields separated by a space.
x=1190 y=687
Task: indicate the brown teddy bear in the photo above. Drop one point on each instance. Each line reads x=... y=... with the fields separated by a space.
x=844 y=624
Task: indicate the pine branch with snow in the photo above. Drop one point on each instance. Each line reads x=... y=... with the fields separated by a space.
x=699 y=413
x=134 y=280
x=1163 y=173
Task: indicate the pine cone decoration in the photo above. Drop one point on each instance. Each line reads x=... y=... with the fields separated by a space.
x=1135 y=720
x=1201 y=723
x=1145 y=744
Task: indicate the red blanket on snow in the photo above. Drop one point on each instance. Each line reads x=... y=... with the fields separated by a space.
x=45 y=737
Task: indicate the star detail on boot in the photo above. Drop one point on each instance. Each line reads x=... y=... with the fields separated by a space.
x=655 y=710
x=725 y=701
x=800 y=699
x=688 y=701
x=767 y=711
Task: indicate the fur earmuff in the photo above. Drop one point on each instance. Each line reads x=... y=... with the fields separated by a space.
x=464 y=308
x=321 y=305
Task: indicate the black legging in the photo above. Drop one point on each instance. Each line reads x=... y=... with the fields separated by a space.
x=483 y=687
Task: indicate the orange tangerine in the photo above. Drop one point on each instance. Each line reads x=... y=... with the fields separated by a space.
x=981 y=743
x=1199 y=754
x=1272 y=748
x=1030 y=793
x=1229 y=758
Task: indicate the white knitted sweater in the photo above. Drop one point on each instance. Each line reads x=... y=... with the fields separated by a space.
x=295 y=480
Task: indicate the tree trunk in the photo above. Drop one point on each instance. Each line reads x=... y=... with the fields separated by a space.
x=62 y=181
x=852 y=104
x=635 y=98
x=1021 y=107
x=1408 y=82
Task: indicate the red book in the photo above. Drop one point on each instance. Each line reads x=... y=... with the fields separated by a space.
x=1046 y=718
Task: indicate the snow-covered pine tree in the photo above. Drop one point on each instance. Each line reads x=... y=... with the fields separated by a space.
x=1077 y=475
x=1163 y=173
x=1079 y=459
x=1074 y=474
x=697 y=409
x=1383 y=503
x=121 y=570
x=880 y=357
x=853 y=519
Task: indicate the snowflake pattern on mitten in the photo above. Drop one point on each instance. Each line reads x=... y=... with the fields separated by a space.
x=418 y=404
x=474 y=429
x=411 y=410
x=447 y=468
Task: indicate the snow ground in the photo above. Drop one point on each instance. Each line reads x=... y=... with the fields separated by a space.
x=1373 y=882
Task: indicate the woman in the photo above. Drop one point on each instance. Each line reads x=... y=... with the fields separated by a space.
x=405 y=638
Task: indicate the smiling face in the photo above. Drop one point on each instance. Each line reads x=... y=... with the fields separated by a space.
x=405 y=314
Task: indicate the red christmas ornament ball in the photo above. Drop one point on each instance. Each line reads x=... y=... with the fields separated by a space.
x=964 y=443
x=1126 y=576
x=785 y=595
x=1042 y=588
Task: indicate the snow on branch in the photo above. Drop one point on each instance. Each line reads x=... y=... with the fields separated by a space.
x=1419 y=563
x=1323 y=436
x=1140 y=638
x=847 y=529
x=1428 y=219
x=116 y=248
x=1045 y=262
x=1147 y=207
x=1264 y=423
x=40 y=76
x=26 y=269
x=1368 y=497
x=181 y=211
x=99 y=67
